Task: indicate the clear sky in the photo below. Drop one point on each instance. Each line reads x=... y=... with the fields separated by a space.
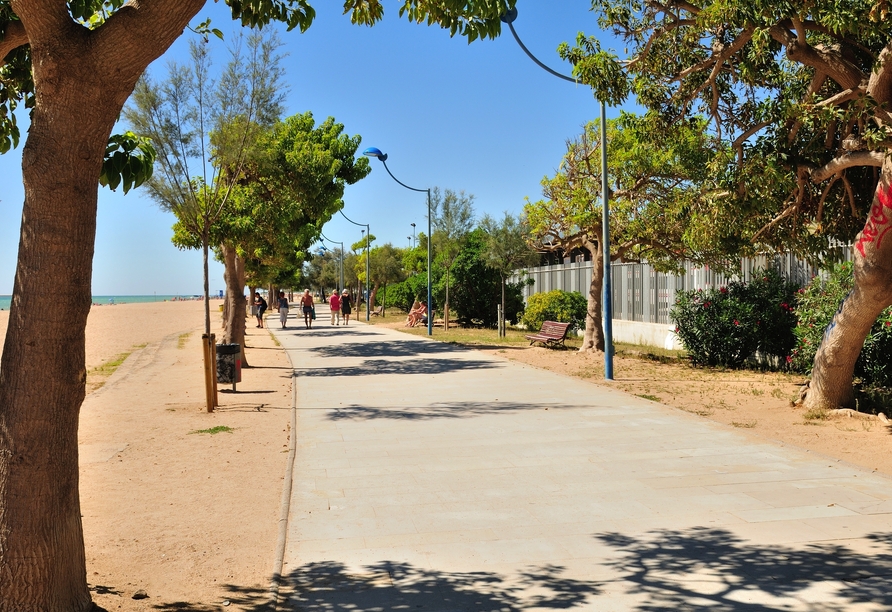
x=480 y=118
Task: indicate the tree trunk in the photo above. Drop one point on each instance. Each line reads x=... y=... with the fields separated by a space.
x=235 y=304
x=373 y=296
x=593 y=341
x=502 y=326
x=834 y=366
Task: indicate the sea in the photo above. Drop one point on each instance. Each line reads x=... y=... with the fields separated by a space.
x=116 y=299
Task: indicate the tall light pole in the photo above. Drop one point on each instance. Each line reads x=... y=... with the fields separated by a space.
x=413 y=235
x=607 y=298
x=373 y=152
x=368 y=235
x=340 y=261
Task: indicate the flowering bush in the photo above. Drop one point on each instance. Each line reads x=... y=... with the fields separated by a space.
x=725 y=326
x=815 y=307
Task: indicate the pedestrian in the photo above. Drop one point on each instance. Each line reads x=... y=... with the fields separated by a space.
x=261 y=306
x=306 y=301
x=346 y=306
x=334 y=302
x=283 y=309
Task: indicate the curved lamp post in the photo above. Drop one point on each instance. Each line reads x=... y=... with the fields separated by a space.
x=607 y=299
x=368 y=233
x=373 y=152
x=340 y=261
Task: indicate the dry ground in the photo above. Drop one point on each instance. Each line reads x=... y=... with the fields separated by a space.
x=758 y=403
x=188 y=516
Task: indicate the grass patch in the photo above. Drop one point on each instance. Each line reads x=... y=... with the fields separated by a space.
x=817 y=414
x=275 y=341
x=213 y=430
x=652 y=398
x=97 y=376
x=744 y=424
x=182 y=339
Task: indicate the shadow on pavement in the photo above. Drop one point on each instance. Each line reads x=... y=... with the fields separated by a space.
x=327 y=333
x=713 y=569
x=456 y=410
x=699 y=569
x=371 y=367
x=386 y=348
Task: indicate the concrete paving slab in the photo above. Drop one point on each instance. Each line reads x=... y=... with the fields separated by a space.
x=429 y=477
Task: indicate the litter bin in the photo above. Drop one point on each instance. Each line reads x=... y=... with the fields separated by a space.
x=229 y=366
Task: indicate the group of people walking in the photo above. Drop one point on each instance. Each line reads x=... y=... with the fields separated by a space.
x=340 y=304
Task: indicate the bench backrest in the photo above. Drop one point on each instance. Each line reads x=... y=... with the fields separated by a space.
x=554 y=328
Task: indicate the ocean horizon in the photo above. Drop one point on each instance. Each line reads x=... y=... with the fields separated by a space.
x=5 y=300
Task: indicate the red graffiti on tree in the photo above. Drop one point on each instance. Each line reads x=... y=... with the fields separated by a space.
x=880 y=220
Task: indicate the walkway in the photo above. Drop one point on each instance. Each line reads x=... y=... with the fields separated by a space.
x=432 y=478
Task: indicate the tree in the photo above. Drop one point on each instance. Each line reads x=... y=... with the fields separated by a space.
x=653 y=199
x=385 y=267
x=477 y=286
x=292 y=183
x=507 y=248
x=452 y=218
x=800 y=94
x=203 y=130
x=87 y=57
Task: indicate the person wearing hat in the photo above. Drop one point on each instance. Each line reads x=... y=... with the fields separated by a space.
x=346 y=306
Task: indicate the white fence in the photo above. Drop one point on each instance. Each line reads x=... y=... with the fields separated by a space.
x=642 y=294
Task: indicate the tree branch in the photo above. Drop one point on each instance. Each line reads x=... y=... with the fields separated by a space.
x=849 y=160
x=16 y=36
x=846 y=74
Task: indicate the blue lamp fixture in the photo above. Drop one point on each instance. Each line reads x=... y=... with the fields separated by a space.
x=375 y=152
x=607 y=299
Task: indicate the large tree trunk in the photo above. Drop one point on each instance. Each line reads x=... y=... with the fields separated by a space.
x=831 y=382
x=593 y=341
x=82 y=80
x=373 y=296
x=235 y=304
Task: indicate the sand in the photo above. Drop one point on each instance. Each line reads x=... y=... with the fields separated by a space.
x=191 y=519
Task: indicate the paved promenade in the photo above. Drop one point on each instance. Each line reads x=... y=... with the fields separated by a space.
x=433 y=478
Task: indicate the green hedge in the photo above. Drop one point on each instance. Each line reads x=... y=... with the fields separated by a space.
x=564 y=306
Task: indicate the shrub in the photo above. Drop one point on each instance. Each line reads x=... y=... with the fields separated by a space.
x=564 y=306
x=726 y=326
x=817 y=304
x=402 y=295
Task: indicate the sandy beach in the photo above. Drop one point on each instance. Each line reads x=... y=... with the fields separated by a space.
x=189 y=518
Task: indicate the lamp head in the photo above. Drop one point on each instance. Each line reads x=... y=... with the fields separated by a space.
x=375 y=152
x=509 y=17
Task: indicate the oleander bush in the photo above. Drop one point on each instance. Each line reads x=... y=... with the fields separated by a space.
x=564 y=306
x=730 y=325
x=816 y=305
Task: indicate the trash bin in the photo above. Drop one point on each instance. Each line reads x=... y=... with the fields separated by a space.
x=229 y=366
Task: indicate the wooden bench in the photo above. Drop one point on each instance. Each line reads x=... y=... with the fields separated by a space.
x=377 y=312
x=551 y=334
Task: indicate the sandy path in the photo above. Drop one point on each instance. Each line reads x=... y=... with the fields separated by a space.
x=190 y=518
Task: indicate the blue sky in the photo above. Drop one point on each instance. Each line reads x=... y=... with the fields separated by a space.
x=480 y=118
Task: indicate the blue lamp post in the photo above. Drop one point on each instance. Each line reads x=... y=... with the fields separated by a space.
x=373 y=152
x=607 y=299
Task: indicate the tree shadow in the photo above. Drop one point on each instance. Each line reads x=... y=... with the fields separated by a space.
x=382 y=366
x=386 y=585
x=322 y=332
x=385 y=348
x=455 y=410
x=713 y=569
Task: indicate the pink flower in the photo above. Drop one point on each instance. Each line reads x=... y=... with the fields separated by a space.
x=789 y=359
x=724 y=290
x=736 y=322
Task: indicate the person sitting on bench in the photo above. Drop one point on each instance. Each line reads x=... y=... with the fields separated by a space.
x=416 y=314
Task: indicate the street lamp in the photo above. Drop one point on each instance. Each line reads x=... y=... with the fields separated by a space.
x=607 y=300
x=373 y=152
x=413 y=235
x=340 y=261
x=368 y=234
